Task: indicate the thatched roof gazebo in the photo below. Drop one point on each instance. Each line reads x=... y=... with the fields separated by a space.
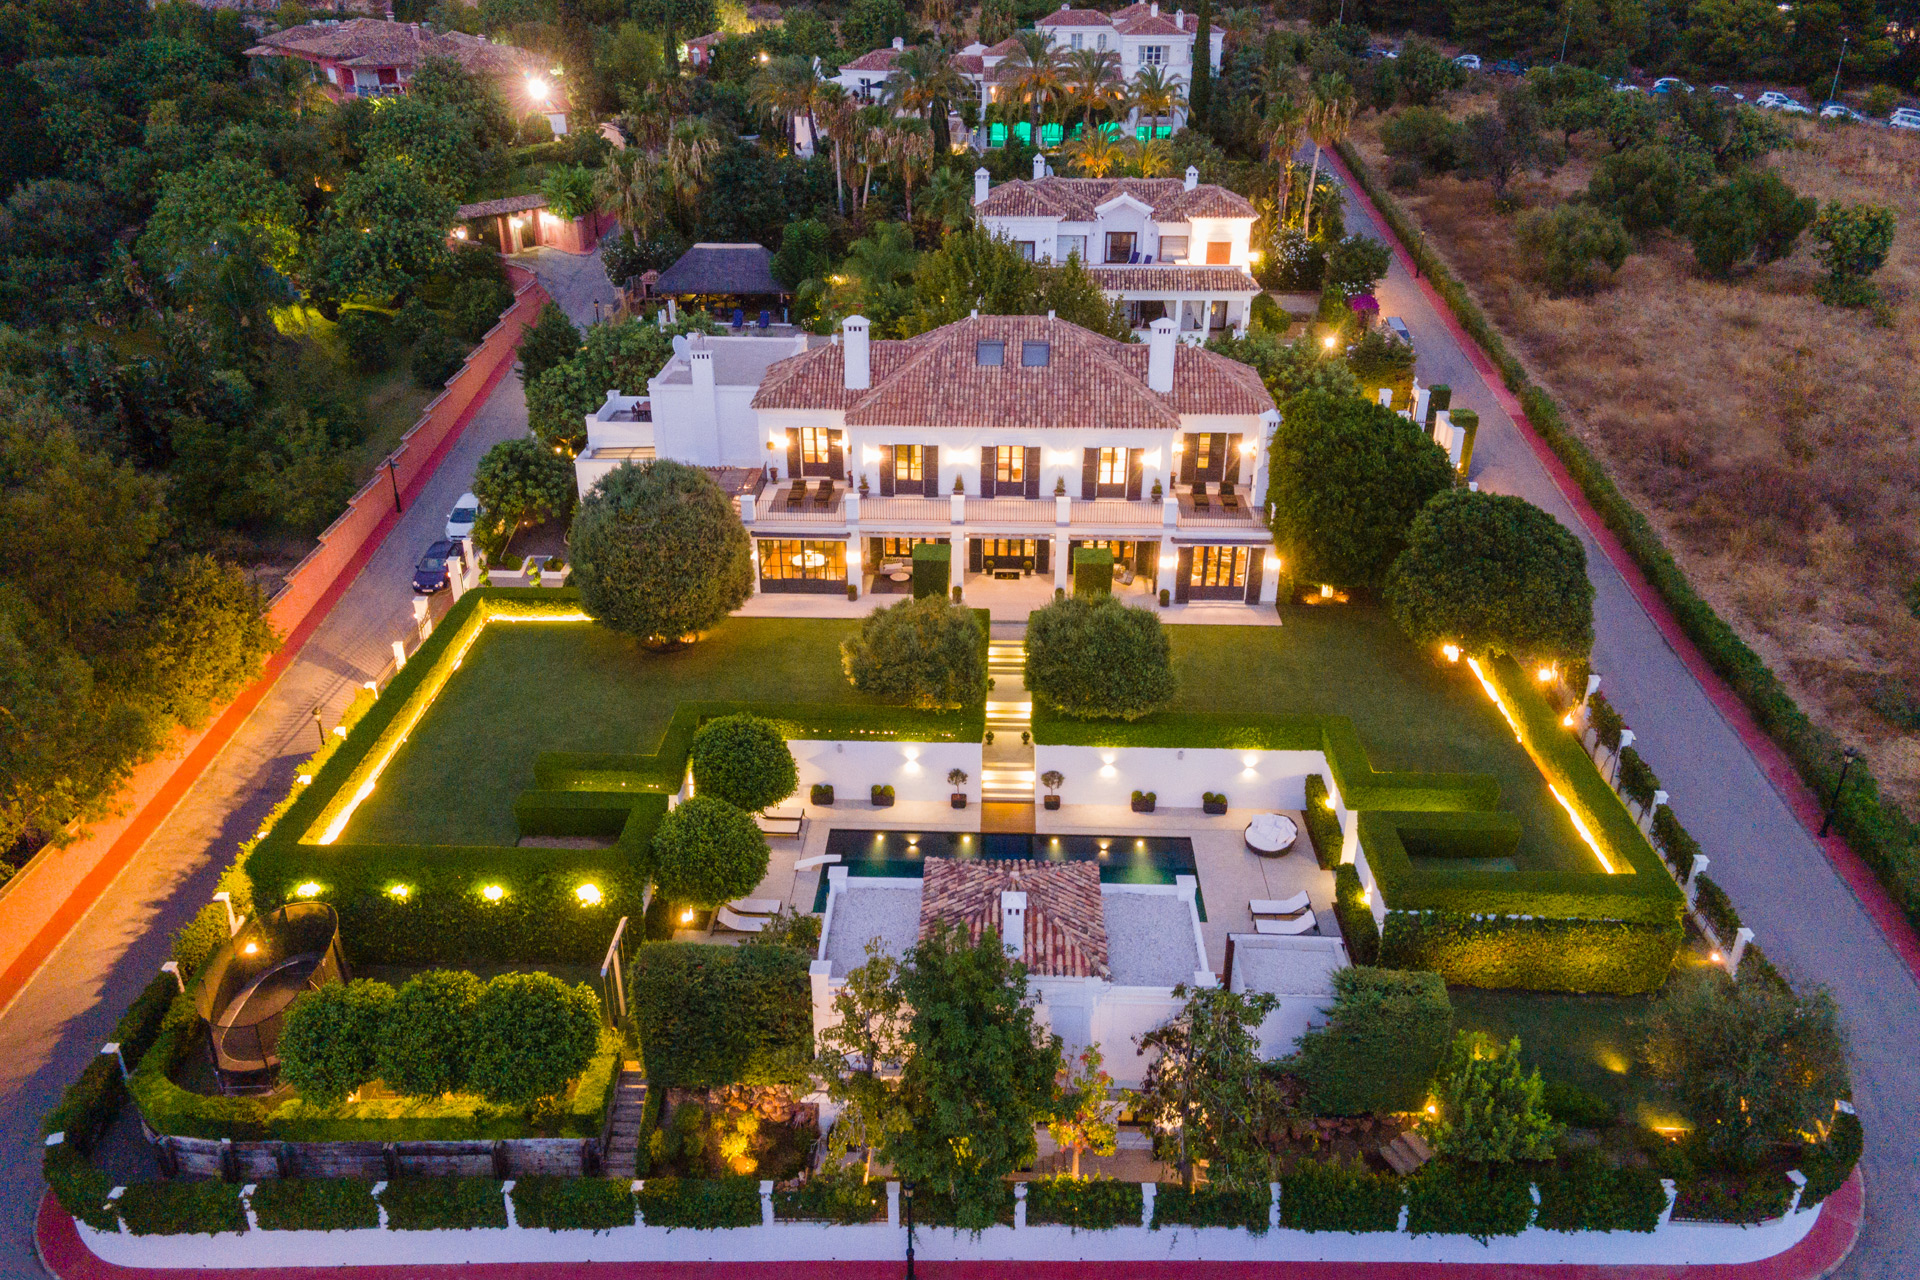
x=722 y=275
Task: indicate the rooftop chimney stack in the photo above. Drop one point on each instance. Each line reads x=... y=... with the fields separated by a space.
x=899 y=42
x=1013 y=922
x=859 y=358
x=1193 y=177
x=1160 y=349
x=1039 y=168
x=982 y=182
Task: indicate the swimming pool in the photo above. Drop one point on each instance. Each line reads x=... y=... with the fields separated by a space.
x=1122 y=859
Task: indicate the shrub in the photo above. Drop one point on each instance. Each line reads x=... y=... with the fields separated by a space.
x=1574 y=248
x=1491 y=1110
x=715 y=1015
x=368 y=338
x=1637 y=780
x=659 y=552
x=821 y=793
x=1756 y=215
x=182 y=1208
x=1445 y=1198
x=437 y=356
x=744 y=760
x=572 y=1204
x=476 y=306
x=330 y=1043
x=1092 y=571
x=1294 y=264
x=1348 y=478
x=702 y=1204
x=932 y=569
x=1576 y=1108
x=1713 y=903
x=1608 y=957
x=532 y=1034
x=1644 y=188
x=1357 y=925
x=428 y=1038
x=1209 y=1206
x=1338 y=1197
x=315 y=1204
x=550 y=340
x=1098 y=659
x=1355 y=265
x=1607 y=723
x=1585 y=1193
x=569 y=191
x=1853 y=240
x=1425 y=137
x=706 y=852
x=1085 y=1204
x=1377 y=1051
x=924 y=652
x=443 y=1204
x=1323 y=827
x=1829 y=1164
x=1493 y=573
x=840 y=1197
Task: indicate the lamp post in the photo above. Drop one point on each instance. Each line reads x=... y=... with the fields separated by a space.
x=320 y=726
x=1833 y=802
x=906 y=1190
x=1834 y=91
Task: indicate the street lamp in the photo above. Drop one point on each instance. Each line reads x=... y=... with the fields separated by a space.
x=1834 y=92
x=906 y=1190
x=1833 y=802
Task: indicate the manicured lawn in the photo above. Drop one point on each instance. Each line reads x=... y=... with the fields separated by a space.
x=524 y=689
x=1412 y=712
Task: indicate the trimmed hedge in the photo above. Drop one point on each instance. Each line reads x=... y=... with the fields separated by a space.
x=1339 y=1197
x=1605 y=957
x=315 y=1204
x=1380 y=1045
x=700 y=1203
x=443 y=1204
x=1357 y=925
x=932 y=568
x=1675 y=841
x=1738 y=1198
x=843 y=1201
x=1712 y=902
x=1093 y=571
x=722 y=1015
x=1470 y=1200
x=572 y=1204
x=1085 y=1204
x=1323 y=827
x=1607 y=723
x=1883 y=834
x=1175 y=1206
x=1591 y=1195
x=1637 y=779
x=182 y=1208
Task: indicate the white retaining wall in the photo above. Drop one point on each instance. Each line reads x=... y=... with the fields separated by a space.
x=917 y=771
x=1177 y=777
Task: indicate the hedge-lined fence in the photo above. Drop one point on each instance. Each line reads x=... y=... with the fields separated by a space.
x=1884 y=835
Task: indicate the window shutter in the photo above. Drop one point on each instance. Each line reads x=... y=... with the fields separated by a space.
x=1183 y=575
x=837 y=454
x=886 y=471
x=1186 y=459
x=1136 y=467
x=1042 y=556
x=793 y=453
x=930 y=469
x=974 y=556
x=1232 y=473
x=986 y=470
x=1089 y=474
x=1259 y=558
x=1216 y=465
x=1033 y=478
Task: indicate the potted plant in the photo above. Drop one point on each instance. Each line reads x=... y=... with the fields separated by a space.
x=1166 y=597
x=959 y=484
x=1143 y=801
x=853 y=592
x=1159 y=494
x=956 y=595
x=1213 y=802
x=1059 y=486
x=863 y=484
x=1052 y=779
x=989 y=737
x=882 y=796
x=958 y=778
x=822 y=793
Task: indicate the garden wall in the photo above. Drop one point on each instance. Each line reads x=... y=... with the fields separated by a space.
x=259 y=1161
x=917 y=771
x=1177 y=776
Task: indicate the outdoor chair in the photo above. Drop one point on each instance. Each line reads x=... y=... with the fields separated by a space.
x=766 y=318
x=823 y=496
x=739 y=318
x=796 y=495
x=1229 y=500
x=1200 y=502
x=740 y=924
x=779 y=822
x=1305 y=922
x=1279 y=906
x=757 y=906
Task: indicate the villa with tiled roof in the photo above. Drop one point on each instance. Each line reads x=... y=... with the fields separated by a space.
x=1014 y=440
x=1179 y=248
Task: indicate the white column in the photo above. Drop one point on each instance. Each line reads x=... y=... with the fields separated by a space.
x=1270 y=576
x=753 y=554
x=957 y=566
x=1060 y=554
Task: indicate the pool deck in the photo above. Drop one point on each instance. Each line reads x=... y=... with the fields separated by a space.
x=1231 y=875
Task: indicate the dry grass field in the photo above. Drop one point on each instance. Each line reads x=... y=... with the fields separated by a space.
x=1774 y=441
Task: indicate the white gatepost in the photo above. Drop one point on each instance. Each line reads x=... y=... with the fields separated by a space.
x=766 y=1202
x=1700 y=863
x=957 y=559
x=399 y=655
x=1646 y=814
x=1019 y=1206
x=1147 y=1190
x=1741 y=937
x=1060 y=556
x=893 y=1204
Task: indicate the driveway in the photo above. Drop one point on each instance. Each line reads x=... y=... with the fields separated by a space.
x=1802 y=914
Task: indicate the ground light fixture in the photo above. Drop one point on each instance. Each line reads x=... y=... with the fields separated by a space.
x=399 y=892
x=536 y=88
x=1330 y=341
x=1451 y=652
x=686 y=917
x=589 y=895
x=493 y=893
x=310 y=889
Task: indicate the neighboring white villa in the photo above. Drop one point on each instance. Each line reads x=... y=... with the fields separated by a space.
x=1168 y=247
x=1102 y=959
x=1013 y=439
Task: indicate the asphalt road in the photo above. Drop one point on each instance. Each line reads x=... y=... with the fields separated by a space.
x=1805 y=918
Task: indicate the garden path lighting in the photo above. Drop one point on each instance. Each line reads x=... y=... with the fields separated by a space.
x=320 y=725
x=686 y=917
x=1451 y=652
x=1545 y=674
x=399 y=892
x=1833 y=802
x=589 y=895
x=493 y=893
x=1329 y=341
x=536 y=88
x=252 y=948
x=310 y=889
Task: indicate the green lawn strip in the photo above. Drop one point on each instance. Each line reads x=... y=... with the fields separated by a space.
x=1592 y=1042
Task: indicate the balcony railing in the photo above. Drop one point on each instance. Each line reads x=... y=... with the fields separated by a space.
x=908 y=511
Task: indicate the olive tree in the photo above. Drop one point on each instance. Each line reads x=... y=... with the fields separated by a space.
x=1574 y=249
x=743 y=760
x=1098 y=658
x=659 y=552
x=924 y=653
x=1493 y=574
x=706 y=852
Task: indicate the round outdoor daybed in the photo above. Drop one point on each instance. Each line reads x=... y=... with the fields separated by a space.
x=1271 y=834
x=255 y=977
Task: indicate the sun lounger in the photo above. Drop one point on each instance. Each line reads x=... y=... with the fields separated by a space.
x=1279 y=906
x=823 y=496
x=776 y=822
x=757 y=906
x=1302 y=923
x=796 y=494
x=1229 y=500
x=740 y=924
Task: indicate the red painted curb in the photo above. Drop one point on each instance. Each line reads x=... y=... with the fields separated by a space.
x=164 y=798
x=65 y=1257
x=1785 y=779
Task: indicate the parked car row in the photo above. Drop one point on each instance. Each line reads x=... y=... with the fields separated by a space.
x=447 y=556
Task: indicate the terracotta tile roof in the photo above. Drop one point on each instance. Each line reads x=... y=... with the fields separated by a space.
x=1161 y=277
x=1075 y=18
x=936 y=380
x=1066 y=924
x=372 y=43
x=1129 y=18
x=1004 y=49
x=707 y=41
x=1076 y=199
x=968 y=64
x=878 y=60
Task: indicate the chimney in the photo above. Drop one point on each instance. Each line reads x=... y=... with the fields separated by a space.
x=982 y=180
x=1160 y=349
x=858 y=359
x=1154 y=8
x=1039 y=168
x=1193 y=177
x=706 y=401
x=899 y=42
x=1013 y=922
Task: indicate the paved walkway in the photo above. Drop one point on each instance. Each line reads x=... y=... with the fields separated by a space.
x=1802 y=911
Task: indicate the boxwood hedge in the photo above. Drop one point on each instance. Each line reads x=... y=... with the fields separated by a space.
x=1588 y=1194
x=1338 y=1197
x=1086 y=1204
x=1610 y=957
x=1175 y=1206
x=570 y=1204
x=1481 y=1201
x=443 y=1204
x=182 y=1208
x=315 y=1204
x=722 y=1015
x=700 y=1203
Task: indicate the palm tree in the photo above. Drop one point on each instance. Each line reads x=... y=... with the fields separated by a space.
x=784 y=90
x=1094 y=153
x=1035 y=73
x=1328 y=120
x=1150 y=159
x=949 y=199
x=690 y=145
x=1093 y=80
x=1286 y=120
x=923 y=82
x=870 y=133
x=910 y=148
x=836 y=113
x=1157 y=93
x=631 y=184
x=939 y=12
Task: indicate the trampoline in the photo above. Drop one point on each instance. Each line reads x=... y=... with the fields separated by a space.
x=253 y=980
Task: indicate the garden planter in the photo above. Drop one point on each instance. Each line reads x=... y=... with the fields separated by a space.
x=1214 y=807
x=1143 y=804
x=959 y=799
x=822 y=794
x=1052 y=802
x=883 y=797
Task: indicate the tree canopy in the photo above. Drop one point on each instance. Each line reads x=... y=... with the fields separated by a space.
x=659 y=552
x=925 y=652
x=522 y=482
x=1205 y=1094
x=743 y=760
x=707 y=851
x=1098 y=658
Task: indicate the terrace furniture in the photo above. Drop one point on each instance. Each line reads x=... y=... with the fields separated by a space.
x=823 y=495
x=1279 y=906
x=757 y=906
x=900 y=575
x=796 y=494
x=740 y=924
x=1200 y=502
x=1305 y=922
x=1271 y=834
x=1124 y=575
x=766 y=318
x=739 y=318
x=1229 y=500
x=1406 y=1153
x=780 y=822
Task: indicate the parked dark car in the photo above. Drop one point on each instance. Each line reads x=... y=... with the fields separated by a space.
x=436 y=568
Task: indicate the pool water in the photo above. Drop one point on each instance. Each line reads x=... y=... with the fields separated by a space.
x=1122 y=859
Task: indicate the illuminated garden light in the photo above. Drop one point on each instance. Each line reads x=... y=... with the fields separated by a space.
x=493 y=893
x=589 y=895
x=399 y=891
x=308 y=890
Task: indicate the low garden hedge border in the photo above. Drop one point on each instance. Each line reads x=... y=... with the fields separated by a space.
x=1175 y=1206
x=1339 y=1197
x=1600 y=957
x=1885 y=835
x=572 y=1204
x=1465 y=1200
x=1357 y=925
x=315 y=1204
x=844 y=1202
x=703 y=1204
x=1085 y=1204
x=1591 y=1195
x=443 y=1204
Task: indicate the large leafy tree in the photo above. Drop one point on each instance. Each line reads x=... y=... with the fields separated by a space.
x=1493 y=573
x=743 y=760
x=1205 y=1093
x=532 y=1034
x=1288 y=368
x=858 y=1054
x=432 y=142
x=1099 y=658
x=975 y=270
x=979 y=1072
x=1087 y=1114
x=1753 y=1064
x=550 y=340
x=201 y=635
x=1490 y=1109
x=1755 y=215
x=387 y=230
x=706 y=852
x=522 y=482
x=924 y=653
x=1574 y=249
x=659 y=552
x=1347 y=478
x=227 y=191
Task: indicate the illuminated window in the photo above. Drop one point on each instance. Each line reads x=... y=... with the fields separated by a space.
x=908 y=461
x=1113 y=467
x=1220 y=567
x=815 y=445
x=1010 y=464
x=1202 y=453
